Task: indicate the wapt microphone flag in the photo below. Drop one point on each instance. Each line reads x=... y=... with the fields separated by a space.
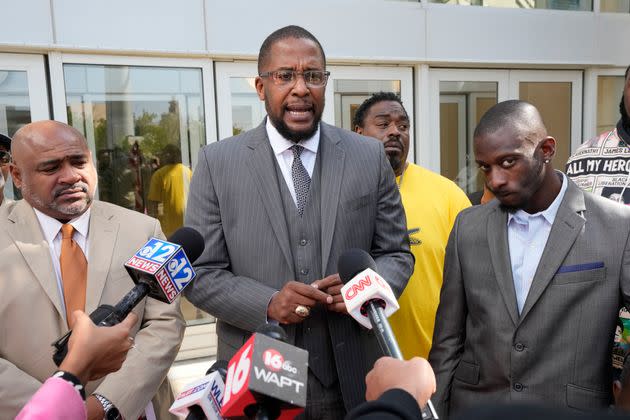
x=166 y=263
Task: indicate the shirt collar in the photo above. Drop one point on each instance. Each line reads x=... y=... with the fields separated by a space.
x=279 y=144
x=51 y=226
x=521 y=216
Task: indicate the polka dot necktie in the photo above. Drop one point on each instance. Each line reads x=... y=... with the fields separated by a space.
x=301 y=179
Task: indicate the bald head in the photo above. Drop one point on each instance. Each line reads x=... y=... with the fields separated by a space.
x=53 y=168
x=519 y=116
x=39 y=134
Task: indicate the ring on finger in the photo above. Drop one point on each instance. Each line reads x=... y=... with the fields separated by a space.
x=302 y=311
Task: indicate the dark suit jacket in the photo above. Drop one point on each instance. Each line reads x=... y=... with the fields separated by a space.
x=235 y=203
x=558 y=350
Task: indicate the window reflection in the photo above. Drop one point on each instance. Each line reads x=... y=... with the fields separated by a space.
x=585 y=5
x=349 y=94
x=145 y=125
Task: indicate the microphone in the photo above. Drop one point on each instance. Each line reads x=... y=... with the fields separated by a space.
x=203 y=398
x=160 y=269
x=370 y=300
x=266 y=378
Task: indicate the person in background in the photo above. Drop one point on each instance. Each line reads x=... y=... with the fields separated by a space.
x=93 y=352
x=431 y=204
x=5 y=159
x=168 y=192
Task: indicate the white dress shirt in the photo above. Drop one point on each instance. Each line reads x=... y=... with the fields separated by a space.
x=284 y=155
x=52 y=232
x=527 y=237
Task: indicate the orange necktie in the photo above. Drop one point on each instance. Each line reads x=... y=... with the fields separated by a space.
x=73 y=272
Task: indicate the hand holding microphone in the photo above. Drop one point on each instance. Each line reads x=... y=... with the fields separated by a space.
x=160 y=270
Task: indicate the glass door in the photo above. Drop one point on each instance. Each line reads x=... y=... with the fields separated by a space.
x=239 y=108
x=23 y=96
x=558 y=97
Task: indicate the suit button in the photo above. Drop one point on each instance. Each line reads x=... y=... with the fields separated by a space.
x=303 y=242
x=519 y=347
x=304 y=271
x=518 y=387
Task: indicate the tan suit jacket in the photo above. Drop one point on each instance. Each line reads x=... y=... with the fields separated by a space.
x=31 y=315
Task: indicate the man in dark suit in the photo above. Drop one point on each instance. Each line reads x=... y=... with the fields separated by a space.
x=533 y=280
x=277 y=206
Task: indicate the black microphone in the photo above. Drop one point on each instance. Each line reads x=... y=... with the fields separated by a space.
x=370 y=300
x=160 y=269
x=203 y=398
x=266 y=377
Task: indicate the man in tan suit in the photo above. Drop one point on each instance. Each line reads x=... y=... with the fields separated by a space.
x=54 y=170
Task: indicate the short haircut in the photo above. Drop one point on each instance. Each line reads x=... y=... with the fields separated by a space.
x=503 y=114
x=291 y=31
x=364 y=108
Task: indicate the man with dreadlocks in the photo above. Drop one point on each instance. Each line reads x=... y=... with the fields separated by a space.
x=601 y=165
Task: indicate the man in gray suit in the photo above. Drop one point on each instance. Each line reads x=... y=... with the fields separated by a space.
x=533 y=280
x=277 y=206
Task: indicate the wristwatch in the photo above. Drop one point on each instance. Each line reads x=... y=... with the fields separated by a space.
x=111 y=412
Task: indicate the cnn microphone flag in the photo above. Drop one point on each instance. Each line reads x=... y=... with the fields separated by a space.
x=365 y=286
x=166 y=263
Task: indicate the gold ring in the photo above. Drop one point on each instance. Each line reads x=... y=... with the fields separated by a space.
x=302 y=311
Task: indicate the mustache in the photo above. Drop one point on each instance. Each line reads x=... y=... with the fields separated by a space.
x=61 y=190
x=394 y=139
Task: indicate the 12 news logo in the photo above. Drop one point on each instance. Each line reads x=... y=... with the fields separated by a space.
x=167 y=262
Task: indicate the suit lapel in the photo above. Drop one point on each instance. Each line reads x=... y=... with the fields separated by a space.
x=500 y=255
x=564 y=231
x=103 y=233
x=332 y=161
x=29 y=239
x=262 y=167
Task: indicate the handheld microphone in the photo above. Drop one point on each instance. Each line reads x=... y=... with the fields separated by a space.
x=203 y=398
x=266 y=378
x=160 y=269
x=370 y=300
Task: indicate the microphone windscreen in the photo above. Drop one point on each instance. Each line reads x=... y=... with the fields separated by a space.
x=190 y=240
x=274 y=331
x=220 y=366
x=352 y=262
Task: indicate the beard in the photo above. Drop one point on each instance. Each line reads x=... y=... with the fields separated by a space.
x=396 y=162
x=293 y=135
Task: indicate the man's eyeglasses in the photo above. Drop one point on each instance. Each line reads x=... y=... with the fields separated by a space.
x=312 y=78
x=5 y=157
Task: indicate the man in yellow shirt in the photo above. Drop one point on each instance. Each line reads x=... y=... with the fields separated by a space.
x=431 y=204
x=169 y=190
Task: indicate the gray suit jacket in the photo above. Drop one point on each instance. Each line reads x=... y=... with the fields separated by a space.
x=235 y=203
x=31 y=314
x=558 y=350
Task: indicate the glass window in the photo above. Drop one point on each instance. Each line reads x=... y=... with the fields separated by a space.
x=614 y=6
x=609 y=91
x=349 y=94
x=248 y=110
x=526 y=4
x=462 y=104
x=144 y=124
x=15 y=111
